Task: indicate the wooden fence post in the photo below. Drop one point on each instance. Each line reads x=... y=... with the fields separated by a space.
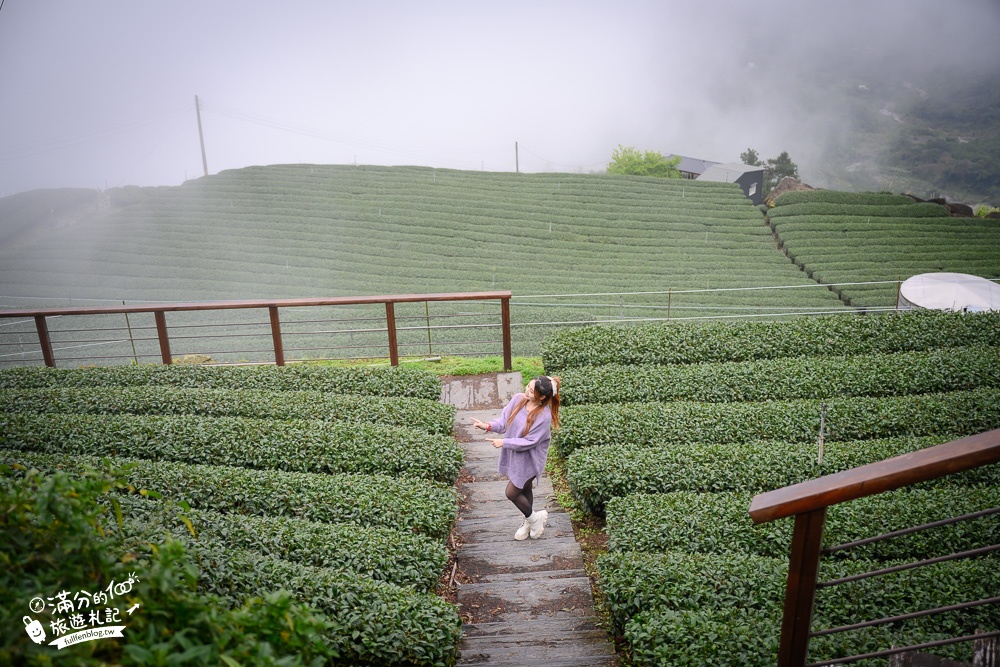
x=508 y=364
x=390 y=325
x=986 y=652
x=279 y=350
x=803 y=566
x=44 y=341
x=161 y=334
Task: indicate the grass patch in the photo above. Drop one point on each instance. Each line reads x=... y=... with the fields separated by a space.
x=529 y=367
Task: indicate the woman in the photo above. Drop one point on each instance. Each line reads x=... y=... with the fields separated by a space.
x=527 y=421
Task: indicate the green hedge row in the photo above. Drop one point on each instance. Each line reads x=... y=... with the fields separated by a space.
x=837 y=197
x=725 y=609
x=266 y=444
x=415 y=413
x=670 y=638
x=417 y=506
x=368 y=381
x=56 y=537
x=718 y=522
x=896 y=374
x=956 y=413
x=914 y=210
x=369 y=622
x=383 y=554
x=598 y=474
x=833 y=335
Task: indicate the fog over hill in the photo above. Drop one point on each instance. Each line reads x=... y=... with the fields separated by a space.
x=889 y=94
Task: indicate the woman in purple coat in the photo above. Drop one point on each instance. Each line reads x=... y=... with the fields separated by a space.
x=527 y=422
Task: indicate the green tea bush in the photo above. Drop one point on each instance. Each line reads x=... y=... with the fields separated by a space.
x=718 y=522
x=367 y=622
x=55 y=538
x=681 y=608
x=837 y=197
x=923 y=210
x=404 y=504
x=896 y=374
x=634 y=582
x=382 y=554
x=602 y=472
x=749 y=638
x=360 y=380
x=957 y=413
x=266 y=444
x=415 y=413
x=840 y=335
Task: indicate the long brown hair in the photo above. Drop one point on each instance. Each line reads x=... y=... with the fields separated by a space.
x=546 y=387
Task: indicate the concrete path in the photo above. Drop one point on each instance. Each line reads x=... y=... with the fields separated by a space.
x=522 y=603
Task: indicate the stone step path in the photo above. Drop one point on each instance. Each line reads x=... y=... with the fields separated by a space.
x=527 y=602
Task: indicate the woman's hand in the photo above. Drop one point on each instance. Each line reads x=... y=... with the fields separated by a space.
x=482 y=426
x=497 y=442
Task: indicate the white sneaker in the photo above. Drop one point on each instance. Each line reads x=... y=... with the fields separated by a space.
x=537 y=521
x=523 y=531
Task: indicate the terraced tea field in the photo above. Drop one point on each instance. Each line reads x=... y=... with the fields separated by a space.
x=839 y=237
x=336 y=485
x=312 y=231
x=669 y=432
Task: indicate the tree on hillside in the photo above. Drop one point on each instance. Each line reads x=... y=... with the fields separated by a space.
x=775 y=169
x=750 y=157
x=629 y=160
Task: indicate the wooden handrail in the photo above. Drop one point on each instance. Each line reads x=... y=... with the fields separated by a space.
x=277 y=303
x=809 y=500
x=272 y=305
x=919 y=466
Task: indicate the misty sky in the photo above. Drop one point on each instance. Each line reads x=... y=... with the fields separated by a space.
x=100 y=93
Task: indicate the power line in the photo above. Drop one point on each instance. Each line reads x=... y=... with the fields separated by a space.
x=292 y=128
x=68 y=142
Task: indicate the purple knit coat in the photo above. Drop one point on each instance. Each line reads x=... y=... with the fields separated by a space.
x=523 y=454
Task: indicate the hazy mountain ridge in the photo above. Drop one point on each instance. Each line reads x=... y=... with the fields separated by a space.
x=856 y=117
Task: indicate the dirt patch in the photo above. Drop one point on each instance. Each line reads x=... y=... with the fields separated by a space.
x=453 y=576
x=786 y=184
x=482 y=608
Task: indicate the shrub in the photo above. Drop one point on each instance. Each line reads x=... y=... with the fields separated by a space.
x=597 y=474
x=813 y=377
x=266 y=444
x=366 y=500
x=689 y=609
x=54 y=539
x=653 y=424
x=717 y=522
x=382 y=554
x=687 y=343
x=837 y=197
x=417 y=413
x=922 y=210
x=369 y=381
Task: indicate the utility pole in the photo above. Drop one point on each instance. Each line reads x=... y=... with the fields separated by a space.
x=517 y=164
x=201 y=137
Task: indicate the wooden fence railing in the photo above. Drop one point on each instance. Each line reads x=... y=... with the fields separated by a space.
x=808 y=502
x=160 y=312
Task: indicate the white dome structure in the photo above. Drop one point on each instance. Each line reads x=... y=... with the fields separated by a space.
x=949 y=291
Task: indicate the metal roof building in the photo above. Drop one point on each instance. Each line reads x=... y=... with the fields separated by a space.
x=750 y=178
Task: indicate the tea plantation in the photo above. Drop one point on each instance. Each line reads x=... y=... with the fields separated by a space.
x=840 y=237
x=319 y=231
x=333 y=485
x=670 y=430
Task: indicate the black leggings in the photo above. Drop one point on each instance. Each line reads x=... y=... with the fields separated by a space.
x=522 y=498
